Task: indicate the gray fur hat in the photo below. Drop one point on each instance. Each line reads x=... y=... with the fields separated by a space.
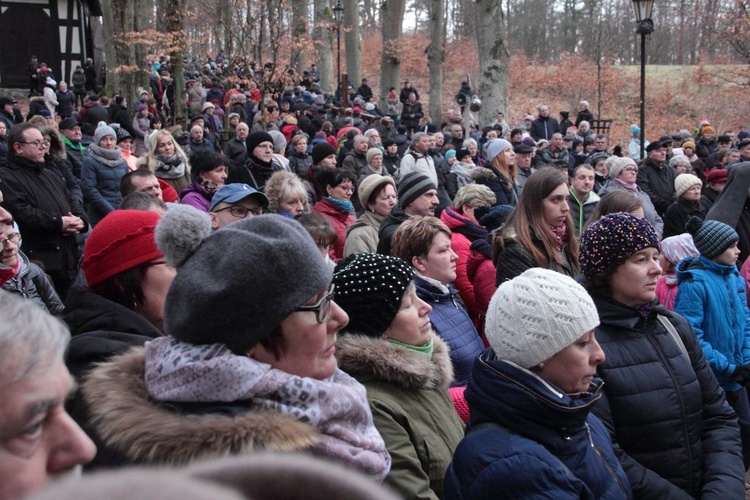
x=235 y=285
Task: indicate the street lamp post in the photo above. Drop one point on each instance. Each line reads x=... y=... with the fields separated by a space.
x=338 y=15
x=643 y=9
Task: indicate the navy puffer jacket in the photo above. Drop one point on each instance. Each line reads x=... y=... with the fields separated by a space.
x=549 y=445
x=451 y=321
x=675 y=434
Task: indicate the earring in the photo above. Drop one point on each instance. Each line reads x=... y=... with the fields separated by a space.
x=540 y=366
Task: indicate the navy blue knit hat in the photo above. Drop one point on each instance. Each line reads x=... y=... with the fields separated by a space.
x=711 y=237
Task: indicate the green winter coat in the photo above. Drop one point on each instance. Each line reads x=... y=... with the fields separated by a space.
x=362 y=236
x=411 y=409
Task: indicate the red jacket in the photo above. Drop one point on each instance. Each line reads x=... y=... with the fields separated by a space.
x=340 y=221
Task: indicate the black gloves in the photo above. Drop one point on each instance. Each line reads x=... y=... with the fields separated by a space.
x=742 y=374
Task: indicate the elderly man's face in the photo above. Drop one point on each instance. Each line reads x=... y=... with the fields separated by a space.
x=658 y=155
x=39 y=441
x=543 y=111
x=196 y=133
x=32 y=148
x=242 y=131
x=361 y=146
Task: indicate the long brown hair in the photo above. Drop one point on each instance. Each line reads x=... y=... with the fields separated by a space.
x=526 y=223
x=509 y=173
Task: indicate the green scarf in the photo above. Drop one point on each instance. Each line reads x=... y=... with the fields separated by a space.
x=68 y=142
x=424 y=349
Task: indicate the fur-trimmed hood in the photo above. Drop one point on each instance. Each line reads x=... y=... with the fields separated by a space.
x=482 y=174
x=366 y=358
x=128 y=420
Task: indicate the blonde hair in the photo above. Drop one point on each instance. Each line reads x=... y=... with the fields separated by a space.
x=149 y=159
x=281 y=185
x=472 y=195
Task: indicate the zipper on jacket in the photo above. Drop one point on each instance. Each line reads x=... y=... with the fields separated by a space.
x=606 y=463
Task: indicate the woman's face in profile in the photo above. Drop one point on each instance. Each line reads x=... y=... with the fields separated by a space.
x=573 y=368
x=309 y=344
x=634 y=282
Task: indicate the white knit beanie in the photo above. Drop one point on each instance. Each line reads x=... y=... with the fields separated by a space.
x=683 y=182
x=536 y=315
x=616 y=164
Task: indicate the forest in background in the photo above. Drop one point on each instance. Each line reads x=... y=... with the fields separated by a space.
x=517 y=53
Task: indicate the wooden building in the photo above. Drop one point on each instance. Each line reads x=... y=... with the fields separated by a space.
x=58 y=32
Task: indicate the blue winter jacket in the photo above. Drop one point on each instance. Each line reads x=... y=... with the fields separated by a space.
x=549 y=445
x=451 y=321
x=712 y=298
x=101 y=187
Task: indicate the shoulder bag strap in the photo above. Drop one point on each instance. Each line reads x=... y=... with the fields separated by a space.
x=673 y=332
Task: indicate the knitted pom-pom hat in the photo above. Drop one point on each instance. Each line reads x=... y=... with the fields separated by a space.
x=369 y=287
x=536 y=315
x=611 y=240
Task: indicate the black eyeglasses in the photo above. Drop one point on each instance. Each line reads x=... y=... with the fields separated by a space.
x=321 y=308
x=240 y=212
x=36 y=143
x=12 y=237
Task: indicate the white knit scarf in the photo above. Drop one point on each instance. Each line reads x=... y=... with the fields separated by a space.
x=337 y=406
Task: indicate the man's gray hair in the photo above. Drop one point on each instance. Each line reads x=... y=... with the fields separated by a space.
x=31 y=339
x=416 y=137
x=371 y=131
x=359 y=138
x=679 y=160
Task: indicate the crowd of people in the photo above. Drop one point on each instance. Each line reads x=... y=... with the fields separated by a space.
x=449 y=311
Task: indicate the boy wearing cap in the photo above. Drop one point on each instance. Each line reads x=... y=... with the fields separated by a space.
x=711 y=296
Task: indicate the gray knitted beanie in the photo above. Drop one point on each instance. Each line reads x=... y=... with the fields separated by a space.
x=237 y=284
x=412 y=186
x=102 y=131
x=536 y=315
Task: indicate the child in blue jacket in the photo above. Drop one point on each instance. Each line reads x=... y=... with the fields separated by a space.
x=711 y=296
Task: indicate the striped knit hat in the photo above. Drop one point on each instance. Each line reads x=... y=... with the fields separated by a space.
x=611 y=240
x=711 y=237
x=412 y=186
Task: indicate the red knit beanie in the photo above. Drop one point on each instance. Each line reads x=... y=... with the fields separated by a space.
x=124 y=239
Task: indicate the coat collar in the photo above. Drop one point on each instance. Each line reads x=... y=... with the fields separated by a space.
x=128 y=420
x=367 y=358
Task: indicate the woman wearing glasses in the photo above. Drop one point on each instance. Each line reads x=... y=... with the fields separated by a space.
x=336 y=206
x=20 y=276
x=248 y=358
x=621 y=174
x=390 y=346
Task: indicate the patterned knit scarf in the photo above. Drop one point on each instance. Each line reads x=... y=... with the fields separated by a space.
x=108 y=157
x=170 y=167
x=560 y=234
x=337 y=406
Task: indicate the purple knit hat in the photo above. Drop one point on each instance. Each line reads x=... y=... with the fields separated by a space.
x=611 y=240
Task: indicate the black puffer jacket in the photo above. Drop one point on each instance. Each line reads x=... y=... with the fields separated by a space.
x=100 y=329
x=673 y=430
x=388 y=227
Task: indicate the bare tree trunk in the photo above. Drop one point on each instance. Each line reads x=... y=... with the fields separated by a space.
x=435 y=57
x=110 y=54
x=392 y=15
x=299 y=35
x=493 y=59
x=174 y=24
x=352 y=42
x=323 y=44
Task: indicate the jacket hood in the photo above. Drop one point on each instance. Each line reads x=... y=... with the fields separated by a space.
x=368 y=219
x=693 y=268
x=482 y=174
x=503 y=392
x=730 y=203
x=128 y=420
x=196 y=187
x=452 y=219
x=374 y=359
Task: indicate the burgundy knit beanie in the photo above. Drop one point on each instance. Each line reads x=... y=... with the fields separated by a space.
x=124 y=239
